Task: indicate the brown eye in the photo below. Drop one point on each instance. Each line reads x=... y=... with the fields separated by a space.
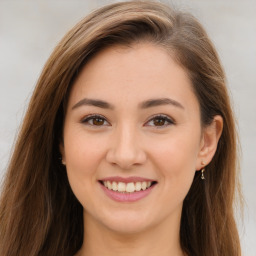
x=98 y=121
x=160 y=121
x=95 y=120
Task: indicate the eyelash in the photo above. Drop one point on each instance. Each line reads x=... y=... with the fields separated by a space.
x=92 y=118
x=167 y=120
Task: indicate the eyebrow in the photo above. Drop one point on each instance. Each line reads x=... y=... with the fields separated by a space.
x=145 y=104
x=93 y=102
x=159 y=102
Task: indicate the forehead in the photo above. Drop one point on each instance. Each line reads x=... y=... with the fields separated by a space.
x=136 y=72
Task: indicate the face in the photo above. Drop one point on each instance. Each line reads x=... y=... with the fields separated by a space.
x=132 y=138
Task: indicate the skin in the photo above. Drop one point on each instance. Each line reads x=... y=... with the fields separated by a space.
x=130 y=141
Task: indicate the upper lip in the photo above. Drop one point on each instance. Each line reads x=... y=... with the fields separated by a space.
x=126 y=179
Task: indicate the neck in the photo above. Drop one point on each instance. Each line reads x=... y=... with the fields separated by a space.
x=160 y=240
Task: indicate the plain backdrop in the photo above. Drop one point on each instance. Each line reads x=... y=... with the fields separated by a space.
x=30 y=29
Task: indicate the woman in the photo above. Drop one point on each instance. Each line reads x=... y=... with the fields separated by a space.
x=128 y=146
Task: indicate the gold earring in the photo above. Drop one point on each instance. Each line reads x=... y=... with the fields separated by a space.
x=202 y=171
x=202 y=174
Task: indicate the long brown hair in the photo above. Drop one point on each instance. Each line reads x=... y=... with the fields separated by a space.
x=39 y=215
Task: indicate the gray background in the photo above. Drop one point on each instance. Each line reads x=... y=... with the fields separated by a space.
x=29 y=30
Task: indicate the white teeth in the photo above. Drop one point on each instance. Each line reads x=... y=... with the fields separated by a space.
x=138 y=186
x=121 y=187
x=130 y=187
x=114 y=186
x=127 y=187
x=144 y=185
x=109 y=185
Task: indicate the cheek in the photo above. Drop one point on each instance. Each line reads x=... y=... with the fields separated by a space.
x=177 y=151
x=83 y=155
x=176 y=160
x=82 y=151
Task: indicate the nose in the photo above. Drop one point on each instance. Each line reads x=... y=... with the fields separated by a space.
x=126 y=150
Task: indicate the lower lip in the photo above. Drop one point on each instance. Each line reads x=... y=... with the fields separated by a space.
x=127 y=197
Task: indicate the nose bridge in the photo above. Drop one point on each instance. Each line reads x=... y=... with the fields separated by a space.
x=126 y=149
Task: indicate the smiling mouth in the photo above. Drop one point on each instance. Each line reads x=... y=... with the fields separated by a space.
x=129 y=187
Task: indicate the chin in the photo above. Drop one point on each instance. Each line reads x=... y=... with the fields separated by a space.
x=128 y=228
x=127 y=223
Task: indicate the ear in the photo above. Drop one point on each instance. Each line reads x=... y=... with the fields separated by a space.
x=209 y=142
x=62 y=152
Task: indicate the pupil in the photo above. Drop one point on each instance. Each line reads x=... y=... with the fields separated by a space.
x=98 y=121
x=159 y=122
